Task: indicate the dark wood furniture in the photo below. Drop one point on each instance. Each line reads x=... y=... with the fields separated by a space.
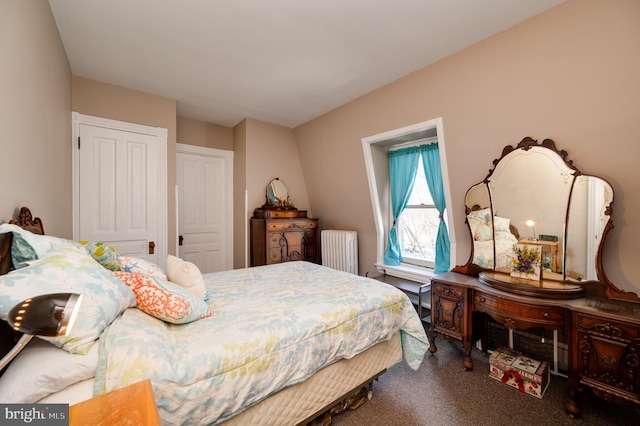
x=8 y=336
x=279 y=232
x=279 y=240
x=603 y=336
x=601 y=323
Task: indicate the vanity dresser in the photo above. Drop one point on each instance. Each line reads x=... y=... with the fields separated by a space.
x=279 y=232
x=534 y=183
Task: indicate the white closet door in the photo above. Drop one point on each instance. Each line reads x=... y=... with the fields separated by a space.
x=118 y=190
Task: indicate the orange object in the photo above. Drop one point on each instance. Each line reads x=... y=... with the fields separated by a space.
x=132 y=405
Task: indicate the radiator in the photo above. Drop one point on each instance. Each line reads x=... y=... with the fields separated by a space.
x=340 y=250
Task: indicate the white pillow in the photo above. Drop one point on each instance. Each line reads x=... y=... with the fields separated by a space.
x=186 y=275
x=41 y=369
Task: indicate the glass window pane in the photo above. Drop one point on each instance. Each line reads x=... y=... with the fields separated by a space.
x=420 y=194
x=417 y=231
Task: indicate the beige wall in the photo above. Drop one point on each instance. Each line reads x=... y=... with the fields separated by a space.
x=262 y=152
x=569 y=74
x=200 y=133
x=104 y=100
x=35 y=116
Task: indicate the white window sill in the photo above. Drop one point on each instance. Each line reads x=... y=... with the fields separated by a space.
x=413 y=273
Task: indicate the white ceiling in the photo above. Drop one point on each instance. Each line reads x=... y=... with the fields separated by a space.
x=280 y=61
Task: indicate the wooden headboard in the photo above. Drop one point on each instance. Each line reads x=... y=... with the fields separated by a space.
x=8 y=336
x=26 y=221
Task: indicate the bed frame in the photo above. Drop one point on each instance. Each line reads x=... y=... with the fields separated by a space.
x=8 y=336
x=343 y=386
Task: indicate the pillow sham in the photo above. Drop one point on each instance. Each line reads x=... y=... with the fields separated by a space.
x=483 y=215
x=163 y=299
x=27 y=246
x=480 y=230
x=104 y=254
x=187 y=275
x=41 y=369
x=501 y=224
x=134 y=264
x=70 y=270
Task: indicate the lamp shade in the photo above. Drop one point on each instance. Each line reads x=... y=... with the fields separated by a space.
x=46 y=315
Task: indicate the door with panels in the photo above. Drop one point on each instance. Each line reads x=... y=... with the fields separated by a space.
x=205 y=203
x=120 y=186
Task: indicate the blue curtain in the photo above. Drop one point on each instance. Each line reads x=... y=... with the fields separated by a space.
x=433 y=174
x=403 y=164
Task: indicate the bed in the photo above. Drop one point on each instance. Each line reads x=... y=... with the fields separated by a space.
x=277 y=344
x=488 y=232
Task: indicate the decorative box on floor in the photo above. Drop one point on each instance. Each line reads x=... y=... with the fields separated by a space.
x=520 y=371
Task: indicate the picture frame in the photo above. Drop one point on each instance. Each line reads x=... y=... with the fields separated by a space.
x=526 y=261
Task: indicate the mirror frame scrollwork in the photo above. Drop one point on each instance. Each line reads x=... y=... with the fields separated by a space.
x=598 y=286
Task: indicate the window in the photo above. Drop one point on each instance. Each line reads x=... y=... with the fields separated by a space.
x=417 y=226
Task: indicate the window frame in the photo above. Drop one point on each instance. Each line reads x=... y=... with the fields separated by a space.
x=375 y=149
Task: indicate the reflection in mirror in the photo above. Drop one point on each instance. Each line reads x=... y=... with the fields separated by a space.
x=479 y=220
x=277 y=193
x=531 y=185
x=588 y=217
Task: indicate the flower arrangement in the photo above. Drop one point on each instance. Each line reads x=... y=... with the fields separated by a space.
x=525 y=262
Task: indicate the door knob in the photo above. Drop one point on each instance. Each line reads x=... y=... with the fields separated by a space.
x=152 y=247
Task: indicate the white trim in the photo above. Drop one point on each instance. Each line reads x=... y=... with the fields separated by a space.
x=227 y=156
x=161 y=134
x=382 y=226
x=408 y=272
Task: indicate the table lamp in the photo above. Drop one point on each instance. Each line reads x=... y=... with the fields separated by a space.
x=44 y=315
x=532 y=224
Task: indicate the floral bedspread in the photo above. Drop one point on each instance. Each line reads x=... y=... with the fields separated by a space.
x=273 y=326
x=483 y=251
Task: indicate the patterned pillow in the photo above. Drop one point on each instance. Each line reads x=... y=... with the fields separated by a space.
x=27 y=246
x=106 y=255
x=186 y=275
x=70 y=270
x=134 y=264
x=163 y=299
x=502 y=224
x=480 y=230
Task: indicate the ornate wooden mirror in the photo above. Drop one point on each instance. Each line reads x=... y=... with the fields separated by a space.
x=534 y=195
x=277 y=203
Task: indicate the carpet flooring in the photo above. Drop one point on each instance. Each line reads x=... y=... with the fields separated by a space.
x=442 y=393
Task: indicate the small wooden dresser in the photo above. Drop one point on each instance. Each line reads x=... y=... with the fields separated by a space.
x=283 y=236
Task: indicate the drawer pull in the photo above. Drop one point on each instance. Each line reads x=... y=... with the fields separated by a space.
x=482 y=299
x=546 y=315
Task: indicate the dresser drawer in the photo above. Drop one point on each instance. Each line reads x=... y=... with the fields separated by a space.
x=520 y=315
x=287 y=226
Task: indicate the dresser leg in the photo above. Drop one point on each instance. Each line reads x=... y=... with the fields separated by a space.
x=431 y=335
x=468 y=363
x=571 y=404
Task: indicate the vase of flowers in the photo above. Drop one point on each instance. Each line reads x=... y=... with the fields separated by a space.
x=525 y=262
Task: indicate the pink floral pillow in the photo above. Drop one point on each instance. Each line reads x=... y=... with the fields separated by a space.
x=163 y=299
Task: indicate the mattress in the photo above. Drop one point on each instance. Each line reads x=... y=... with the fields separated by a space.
x=297 y=403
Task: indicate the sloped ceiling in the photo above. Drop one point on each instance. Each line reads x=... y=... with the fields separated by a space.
x=280 y=61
